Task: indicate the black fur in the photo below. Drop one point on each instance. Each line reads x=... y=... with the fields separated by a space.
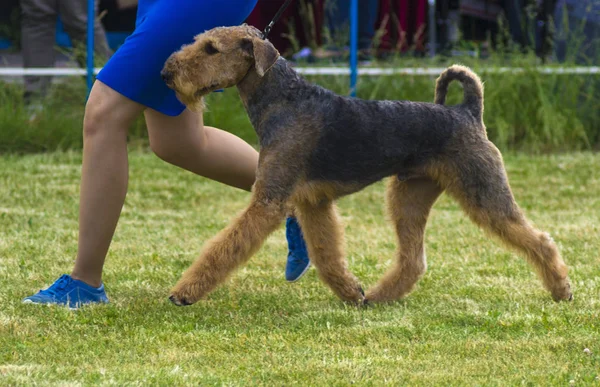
x=357 y=141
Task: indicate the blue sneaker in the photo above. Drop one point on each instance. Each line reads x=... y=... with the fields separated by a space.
x=297 y=260
x=68 y=291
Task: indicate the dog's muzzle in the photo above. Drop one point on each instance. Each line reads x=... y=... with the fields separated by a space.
x=166 y=76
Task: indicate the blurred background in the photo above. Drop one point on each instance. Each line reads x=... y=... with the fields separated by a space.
x=386 y=26
x=538 y=59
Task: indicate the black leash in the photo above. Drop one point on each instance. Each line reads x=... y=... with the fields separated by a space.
x=275 y=18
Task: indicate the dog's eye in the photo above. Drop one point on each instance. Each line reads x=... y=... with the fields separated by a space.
x=210 y=49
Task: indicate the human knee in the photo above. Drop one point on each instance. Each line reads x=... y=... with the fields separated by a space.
x=94 y=121
x=102 y=116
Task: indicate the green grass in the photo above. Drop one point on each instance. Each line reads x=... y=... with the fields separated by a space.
x=478 y=317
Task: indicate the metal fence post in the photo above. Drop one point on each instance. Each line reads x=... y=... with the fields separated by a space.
x=432 y=29
x=353 y=46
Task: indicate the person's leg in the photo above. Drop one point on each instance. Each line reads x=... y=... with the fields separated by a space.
x=184 y=141
x=210 y=152
x=337 y=16
x=367 y=11
x=517 y=22
x=73 y=14
x=108 y=115
x=180 y=140
x=38 y=37
x=133 y=74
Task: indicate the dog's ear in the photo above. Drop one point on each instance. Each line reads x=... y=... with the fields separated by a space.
x=264 y=53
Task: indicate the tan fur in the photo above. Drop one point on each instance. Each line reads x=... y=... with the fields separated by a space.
x=194 y=65
x=230 y=248
x=472 y=85
x=408 y=205
x=324 y=237
x=470 y=169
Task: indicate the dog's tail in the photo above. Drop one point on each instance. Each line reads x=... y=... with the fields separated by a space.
x=473 y=88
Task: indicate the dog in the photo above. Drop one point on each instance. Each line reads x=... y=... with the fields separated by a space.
x=316 y=146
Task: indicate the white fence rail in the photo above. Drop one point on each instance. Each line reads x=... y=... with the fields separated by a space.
x=365 y=71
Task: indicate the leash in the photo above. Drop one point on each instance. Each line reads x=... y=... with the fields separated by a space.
x=275 y=18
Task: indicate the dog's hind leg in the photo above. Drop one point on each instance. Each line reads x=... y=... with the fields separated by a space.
x=324 y=238
x=481 y=187
x=409 y=203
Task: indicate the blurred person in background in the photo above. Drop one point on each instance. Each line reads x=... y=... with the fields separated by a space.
x=38 y=34
x=577 y=33
x=337 y=20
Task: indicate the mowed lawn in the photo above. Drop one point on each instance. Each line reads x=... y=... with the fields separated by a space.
x=478 y=317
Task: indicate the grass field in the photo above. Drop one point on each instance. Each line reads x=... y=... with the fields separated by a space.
x=478 y=317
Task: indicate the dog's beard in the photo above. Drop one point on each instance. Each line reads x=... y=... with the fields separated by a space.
x=195 y=103
x=198 y=106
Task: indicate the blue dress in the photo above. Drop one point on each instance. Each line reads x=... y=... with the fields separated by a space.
x=162 y=27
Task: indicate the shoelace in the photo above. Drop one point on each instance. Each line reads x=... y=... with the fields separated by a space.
x=59 y=285
x=297 y=259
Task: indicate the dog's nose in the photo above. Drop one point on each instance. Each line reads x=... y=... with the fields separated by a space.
x=166 y=76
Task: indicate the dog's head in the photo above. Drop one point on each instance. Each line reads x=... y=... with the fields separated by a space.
x=218 y=58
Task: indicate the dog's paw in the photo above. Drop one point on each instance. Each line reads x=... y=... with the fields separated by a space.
x=179 y=302
x=185 y=293
x=563 y=292
x=365 y=301
x=355 y=296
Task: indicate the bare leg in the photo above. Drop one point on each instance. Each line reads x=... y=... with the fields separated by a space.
x=181 y=140
x=210 y=152
x=104 y=177
x=324 y=238
x=409 y=204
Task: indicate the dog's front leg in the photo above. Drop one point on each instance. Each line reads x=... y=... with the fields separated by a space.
x=244 y=236
x=229 y=249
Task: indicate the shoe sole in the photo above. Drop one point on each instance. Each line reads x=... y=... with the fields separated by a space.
x=301 y=274
x=50 y=304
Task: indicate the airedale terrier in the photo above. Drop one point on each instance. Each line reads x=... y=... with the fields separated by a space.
x=316 y=146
